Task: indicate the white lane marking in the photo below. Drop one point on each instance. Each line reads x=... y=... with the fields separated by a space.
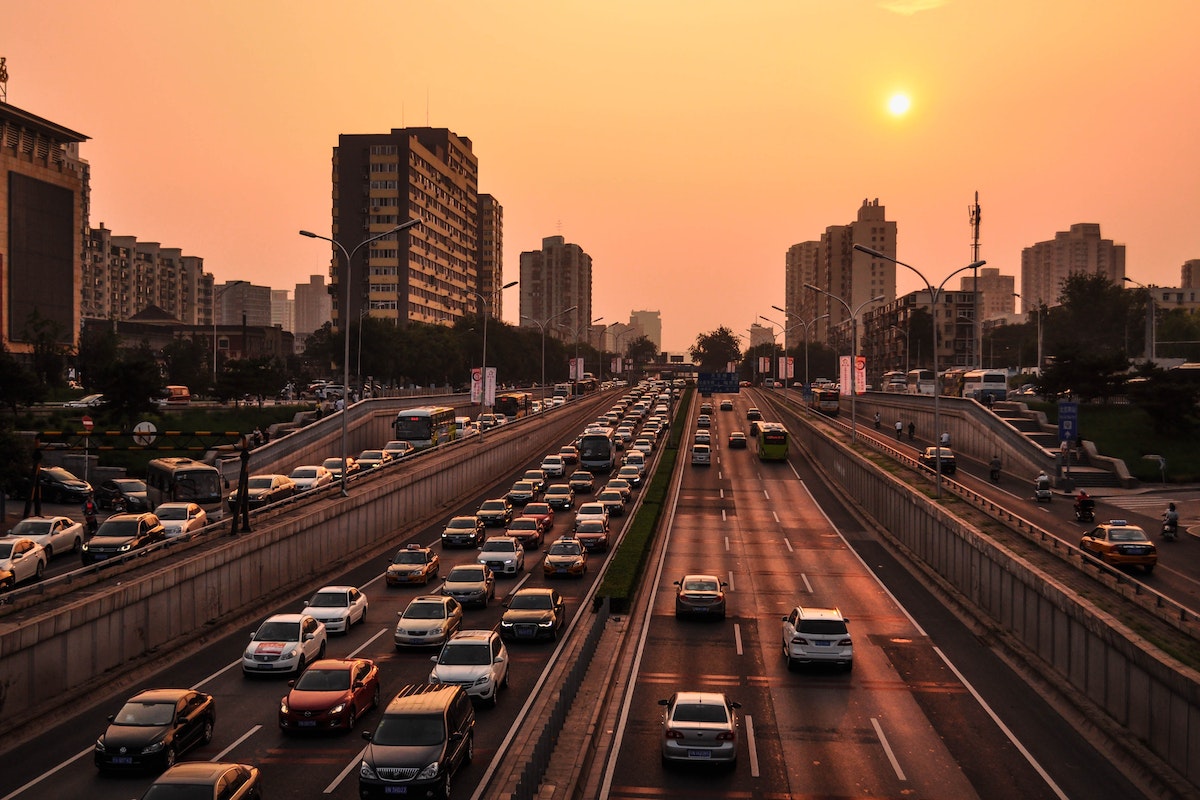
x=722 y=494
x=218 y=673
x=720 y=475
x=726 y=544
x=752 y=745
x=767 y=495
x=236 y=742
x=723 y=515
x=731 y=580
x=363 y=646
x=789 y=545
x=776 y=516
x=341 y=776
x=737 y=637
x=807 y=585
x=887 y=748
x=48 y=773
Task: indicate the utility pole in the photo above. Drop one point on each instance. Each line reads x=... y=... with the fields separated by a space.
x=975 y=219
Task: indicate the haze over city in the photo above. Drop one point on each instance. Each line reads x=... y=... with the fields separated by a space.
x=683 y=145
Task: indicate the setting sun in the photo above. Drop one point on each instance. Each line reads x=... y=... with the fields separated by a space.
x=898 y=104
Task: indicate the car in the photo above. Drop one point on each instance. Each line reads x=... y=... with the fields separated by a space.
x=129 y=492
x=582 y=481
x=220 y=780
x=726 y=405
x=621 y=485
x=560 y=495
x=284 y=643
x=57 y=485
x=542 y=512
x=706 y=409
x=121 y=534
x=181 y=520
x=929 y=458
x=424 y=736
x=399 y=448
x=413 y=564
x=592 y=533
x=428 y=620
x=21 y=560
x=753 y=414
x=704 y=421
x=522 y=492
x=334 y=465
x=737 y=440
x=262 y=490
x=817 y=635
x=476 y=660
x=566 y=556
x=496 y=513
x=56 y=535
x=373 y=459
x=526 y=530
x=1119 y=544
x=554 y=466
x=538 y=476
x=701 y=455
x=153 y=728
x=700 y=596
x=592 y=510
x=310 y=476
x=330 y=695
x=613 y=501
x=533 y=613
x=339 y=607
x=503 y=554
x=643 y=444
x=487 y=421
x=636 y=459
x=699 y=726
x=702 y=437
x=87 y=401
x=630 y=473
x=464 y=531
x=470 y=584
x=569 y=453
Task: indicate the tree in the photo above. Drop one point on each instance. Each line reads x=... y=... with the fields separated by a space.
x=130 y=384
x=641 y=351
x=99 y=352
x=716 y=349
x=1169 y=398
x=49 y=349
x=187 y=362
x=19 y=387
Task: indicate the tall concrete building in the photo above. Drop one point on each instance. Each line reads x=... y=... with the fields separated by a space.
x=422 y=274
x=491 y=256
x=996 y=292
x=44 y=196
x=123 y=276
x=762 y=335
x=283 y=310
x=554 y=279
x=1189 y=274
x=1045 y=265
x=314 y=307
x=650 y=325
x=801 y=266
x=241 y=301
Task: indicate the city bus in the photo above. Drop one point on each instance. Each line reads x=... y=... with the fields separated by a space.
x=920 y=381
x=981 y=384
x=894 y=381
x=177 y=480
x=426 y=426
x=953 y=381
x=513 y=405
x=772 y=441
x=597 y=450
x=825 y=400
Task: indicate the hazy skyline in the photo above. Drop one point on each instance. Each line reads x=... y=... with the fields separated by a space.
x=683 y=145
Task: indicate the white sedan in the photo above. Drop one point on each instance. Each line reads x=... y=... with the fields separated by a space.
x=181 y=519
x=310 y=476
x=338 y=607
x=55 y=534
x=593 y=510
x=284 y=643
x=21 y=559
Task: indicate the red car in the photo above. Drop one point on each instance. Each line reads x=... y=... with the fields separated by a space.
x=542 y=512
x=330 y=695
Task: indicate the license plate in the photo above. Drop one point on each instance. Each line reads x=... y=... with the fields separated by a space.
x=122 y=760
x=821 y=644
x=308 y=723
x=99 y=556
x=561 y=570
x=395 y=790
x=699 y=754
x=526 y=632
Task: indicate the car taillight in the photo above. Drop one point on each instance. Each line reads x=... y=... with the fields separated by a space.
x=673 y=735
x=799 y=640
x=844 y=642
x=727 y=736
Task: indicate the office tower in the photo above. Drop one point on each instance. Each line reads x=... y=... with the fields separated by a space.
x=554 y=279
x=650 y=325
x=1045 y=265
x=996 y=292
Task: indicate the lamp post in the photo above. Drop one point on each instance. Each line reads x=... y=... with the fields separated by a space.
x=812 y=321
x=216 y=297
x=542 y=327
x=933 y=296
x=577 y=332
x=617 y=342
x=853 y=349
x=603 y=336
x=1038 y=309
x=349 y=256
x=774 y=358
x=483 y=381
x=1151 y=321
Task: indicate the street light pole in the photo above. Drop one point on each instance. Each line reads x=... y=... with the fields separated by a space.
x=812 y=321
x=344 y=315
x=937 y=389
x=853 y=350
x=1152 y=321
x=542 y=327
x=216 y=297
x=483 y=380
x=906 y=347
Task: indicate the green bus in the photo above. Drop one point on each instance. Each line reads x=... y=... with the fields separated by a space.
x=426 y=426
x=772 y=440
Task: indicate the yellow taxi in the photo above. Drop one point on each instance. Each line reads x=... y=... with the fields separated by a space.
x=413 y=564
x=1120 y=544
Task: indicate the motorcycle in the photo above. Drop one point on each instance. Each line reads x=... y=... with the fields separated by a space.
x=1170 y=528
x=1041 y=490
x=1085 y=510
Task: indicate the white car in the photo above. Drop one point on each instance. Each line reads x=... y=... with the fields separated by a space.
x=474 y=660
x=429 y=619
x=504 y=554
x=699 y=726
x=90 y=401
x=21 y=559
x=592 y=510
x=284 y=643
x=55 y=534
x=817 y=635
x=181 y=519
x=310 y=476
x=554 y=466
x=339 y=607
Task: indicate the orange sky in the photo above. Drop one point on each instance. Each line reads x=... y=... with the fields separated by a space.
x=684 y=145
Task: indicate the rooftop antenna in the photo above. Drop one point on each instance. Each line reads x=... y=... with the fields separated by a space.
x=974 y=210
x=3 y=80
x=975 y=217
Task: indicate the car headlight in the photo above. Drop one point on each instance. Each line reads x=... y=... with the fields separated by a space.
x=288 y=652
x=339 y=708
x=86 y=547
x=100 y=745
x=433 y=677
x=125 y=547
x=365 y=770
x=283 y=706
x=428 y=773
x=505 y=624
x=546 y=623
x=484 y=681
x=153 y=748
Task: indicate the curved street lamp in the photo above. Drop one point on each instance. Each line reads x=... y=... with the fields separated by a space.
x=484 y=306
x=542 y=327
x=344 y=315
x=216 y=297
x=853 y=349
x=933 y=298
x=805 y=325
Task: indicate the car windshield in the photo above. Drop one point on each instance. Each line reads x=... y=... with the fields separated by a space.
x=590 y=526
x=324 y=680
x=559 y=489
x=406 y=730
x=171 y=512
x=278 y=632
x=261 y=482
x=826 y=627
x=466 y=654
x=534 y=509
x=493 y=505
x=409 y=557
x=699 y=712
x=147 y=714
x=31 y=527
x=564 y=549
x=1127 y=535
x=465 y=575
x=123 y=528
x=425 y=611
x=539 y=600
x=499 y=547
x=370 y=455
x=700 y=585
x=304 y=472
x=461 y=523
x=130 y=485
x=59 y=474
x=330 y=600
x=523 y=524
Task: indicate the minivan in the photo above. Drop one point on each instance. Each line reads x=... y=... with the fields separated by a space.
x=426 y=733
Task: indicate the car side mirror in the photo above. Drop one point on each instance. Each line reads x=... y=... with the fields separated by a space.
x=498 y=660
x=664 y=702
x=456 y=737
x=305 y=605
x=112 y=717
x=433 y=659
x=366 y=735
x=291 y=683
x=308 y=637
x=734 y=704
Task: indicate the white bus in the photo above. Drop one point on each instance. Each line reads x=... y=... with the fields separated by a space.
x=981 y=384
x=894 y=381
x=597 y=450
x=175 y=480
x=920 y=381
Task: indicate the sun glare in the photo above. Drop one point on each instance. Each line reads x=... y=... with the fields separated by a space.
x=898 y=104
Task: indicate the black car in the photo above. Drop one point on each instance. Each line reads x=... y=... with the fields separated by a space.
x=121 y=534
x=533 y=613
x=425 y=735
x=154 y=728
x=60 y=486
x=495 y=513
x=207 y=779
x=129 y=491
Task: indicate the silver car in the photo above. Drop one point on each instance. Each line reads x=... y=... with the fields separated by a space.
x=817 y=635
x=699 y=727
x=474 y=660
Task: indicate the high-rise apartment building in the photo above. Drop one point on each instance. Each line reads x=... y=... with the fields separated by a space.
x=422 y=274
x=1045 y=265
x=44 y=187
x=242 y=301
x=650 y=325
x=1189 y=274
x=996 y=297
x=314 y=307
x=556 y=278
x=283 y=309
x=123 y=276
x=491 y=255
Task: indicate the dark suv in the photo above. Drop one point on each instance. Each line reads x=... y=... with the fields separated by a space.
x=425 y=734
x=121 y=534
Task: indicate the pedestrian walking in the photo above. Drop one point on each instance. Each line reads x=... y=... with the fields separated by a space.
x=899 y=428
x=945 y=438
x=912 y=431
x=878 y=419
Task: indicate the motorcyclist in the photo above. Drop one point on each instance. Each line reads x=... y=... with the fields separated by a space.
x=1170 y=519
x=878 y=419
x=90 y=509
x=1079 y=500
x=995 y=468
